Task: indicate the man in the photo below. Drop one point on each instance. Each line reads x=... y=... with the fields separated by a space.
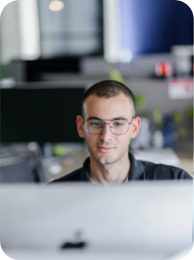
x=108 y=123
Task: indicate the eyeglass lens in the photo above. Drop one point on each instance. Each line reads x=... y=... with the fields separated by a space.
x=95 y=126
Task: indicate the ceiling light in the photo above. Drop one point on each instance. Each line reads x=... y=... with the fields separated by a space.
x=56 y=5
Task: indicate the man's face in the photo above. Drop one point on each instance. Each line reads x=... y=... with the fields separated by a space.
x=108 y=148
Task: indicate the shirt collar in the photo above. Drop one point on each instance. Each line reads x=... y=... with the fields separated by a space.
x=136 y=169
x=84 y=171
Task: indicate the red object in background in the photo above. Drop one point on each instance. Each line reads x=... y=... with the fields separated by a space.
x=163 y=69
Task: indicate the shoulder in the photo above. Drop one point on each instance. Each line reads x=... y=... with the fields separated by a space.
x=163 y=172
x=73 y=176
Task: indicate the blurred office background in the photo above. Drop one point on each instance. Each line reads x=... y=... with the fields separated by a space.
x=51 y=51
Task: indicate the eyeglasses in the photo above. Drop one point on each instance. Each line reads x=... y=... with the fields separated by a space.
x=118 y=126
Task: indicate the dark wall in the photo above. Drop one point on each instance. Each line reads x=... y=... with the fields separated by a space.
x=153 y=26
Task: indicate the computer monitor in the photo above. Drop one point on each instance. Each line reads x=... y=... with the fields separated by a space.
x=152 y=220
x=40 y=115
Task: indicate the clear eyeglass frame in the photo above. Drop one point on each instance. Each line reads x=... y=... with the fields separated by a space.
x=104 y=123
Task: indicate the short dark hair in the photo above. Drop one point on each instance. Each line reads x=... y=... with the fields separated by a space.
x=108 y=89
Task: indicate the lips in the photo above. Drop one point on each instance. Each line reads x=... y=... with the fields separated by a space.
x=105 y=149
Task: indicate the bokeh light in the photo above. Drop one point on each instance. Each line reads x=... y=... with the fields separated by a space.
x=56 y=5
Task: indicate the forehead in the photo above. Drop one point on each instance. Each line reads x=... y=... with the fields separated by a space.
x=109 y=108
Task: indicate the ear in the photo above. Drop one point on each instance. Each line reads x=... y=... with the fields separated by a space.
x=135 y=126
x=80 y=126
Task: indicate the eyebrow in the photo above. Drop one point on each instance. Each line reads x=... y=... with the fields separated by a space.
x=115 y=118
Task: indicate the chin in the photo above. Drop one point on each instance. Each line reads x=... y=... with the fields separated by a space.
x=107 y=160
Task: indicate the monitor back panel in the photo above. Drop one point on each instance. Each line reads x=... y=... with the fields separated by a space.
x=143 y=216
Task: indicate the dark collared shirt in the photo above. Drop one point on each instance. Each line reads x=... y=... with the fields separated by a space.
x=139 y=170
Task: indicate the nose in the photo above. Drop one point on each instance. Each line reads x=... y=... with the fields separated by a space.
x=106 y=134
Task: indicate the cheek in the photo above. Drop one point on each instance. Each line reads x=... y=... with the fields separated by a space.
x=130 y=134
x=90 y=140
x=124 y=140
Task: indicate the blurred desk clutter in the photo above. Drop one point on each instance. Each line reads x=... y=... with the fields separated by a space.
x=163 y=156
x=59 y=166
x=22 y=163
x=91 y=68
x=61 y=159
x=27 y=163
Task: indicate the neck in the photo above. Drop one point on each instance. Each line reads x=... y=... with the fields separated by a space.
x=116 y=172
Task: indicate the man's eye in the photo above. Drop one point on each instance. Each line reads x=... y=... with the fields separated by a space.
x=117 y=123
x=95 y=124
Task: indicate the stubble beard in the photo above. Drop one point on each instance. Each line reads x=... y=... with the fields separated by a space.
x=104 y=158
